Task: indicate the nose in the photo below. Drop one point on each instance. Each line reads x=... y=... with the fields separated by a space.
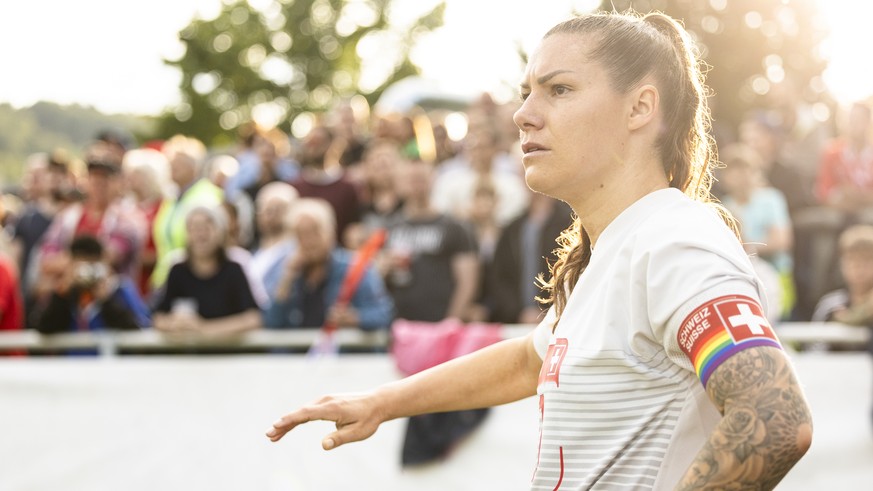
x=526 y=117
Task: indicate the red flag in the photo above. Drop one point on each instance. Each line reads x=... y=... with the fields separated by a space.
x=363 y=257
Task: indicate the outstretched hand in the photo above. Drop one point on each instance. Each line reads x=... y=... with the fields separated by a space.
x=356 y=416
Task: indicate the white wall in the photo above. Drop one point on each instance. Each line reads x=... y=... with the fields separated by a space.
x=197 y=423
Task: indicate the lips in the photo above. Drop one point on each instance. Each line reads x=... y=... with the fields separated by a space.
x=530 y=147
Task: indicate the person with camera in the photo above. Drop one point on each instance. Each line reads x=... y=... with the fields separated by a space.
x=90 y=296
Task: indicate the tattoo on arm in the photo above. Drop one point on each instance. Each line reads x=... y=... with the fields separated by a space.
x=766 y=426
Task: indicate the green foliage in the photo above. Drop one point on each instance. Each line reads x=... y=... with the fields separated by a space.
x=47 y=126
x=741 y=40
x=296 y=56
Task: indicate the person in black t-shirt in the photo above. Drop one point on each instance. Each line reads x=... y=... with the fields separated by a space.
x=207 y=293
x=433 y=264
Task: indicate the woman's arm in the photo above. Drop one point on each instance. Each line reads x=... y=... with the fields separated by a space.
x=766 y=426
x=501 y=373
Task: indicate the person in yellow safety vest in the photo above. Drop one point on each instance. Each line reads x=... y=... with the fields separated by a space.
x=186 y=156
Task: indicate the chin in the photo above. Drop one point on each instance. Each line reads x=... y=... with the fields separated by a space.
x=539 y=183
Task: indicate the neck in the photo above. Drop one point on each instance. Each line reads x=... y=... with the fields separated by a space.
x=417 y=208
x=270 y=239
x=203 y=266
x=598 y=207
x=96 y=206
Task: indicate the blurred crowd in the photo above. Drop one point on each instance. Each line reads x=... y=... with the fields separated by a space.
x=371 y=218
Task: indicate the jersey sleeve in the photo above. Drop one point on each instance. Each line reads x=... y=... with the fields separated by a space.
x=543 y=333
x=704 y=300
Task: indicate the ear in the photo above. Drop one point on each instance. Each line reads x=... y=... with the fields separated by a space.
x=644 y=107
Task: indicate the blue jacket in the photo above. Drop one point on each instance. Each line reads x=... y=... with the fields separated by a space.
x=371 y=299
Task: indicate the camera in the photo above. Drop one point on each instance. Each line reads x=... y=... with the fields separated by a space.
x=88 y=274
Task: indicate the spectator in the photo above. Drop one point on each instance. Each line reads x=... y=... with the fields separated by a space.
x=761 y=210
x=45 y=183
x=380 y=201
x=207 y=293
x=312 y=277
x=118 y=226
x=11 y=305
x=261 y=152
x=852 y=304
x=272 y=204
x=445 y=148
x=760 y=131
x=272 y=149
x=454 y=187
x=323 y=177
x=217 y=168
x=523 y=251
x=42 y=185
x=843 y=189
x=762 y=213
x=147 y=173
x=91 y=296
x=845 y=179
x=345 y=126
x=185 y=156
x=433 y=268
x=482 y=221
x=433 y=276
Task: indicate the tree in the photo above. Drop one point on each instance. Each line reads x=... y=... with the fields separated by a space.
x=755 y=48
x=292 y=57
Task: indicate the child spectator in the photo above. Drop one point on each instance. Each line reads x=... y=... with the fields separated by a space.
x=854 y=303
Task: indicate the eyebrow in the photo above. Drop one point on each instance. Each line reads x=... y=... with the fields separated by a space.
x=545 y=78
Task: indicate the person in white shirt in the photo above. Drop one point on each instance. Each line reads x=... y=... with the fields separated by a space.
x=655 y=367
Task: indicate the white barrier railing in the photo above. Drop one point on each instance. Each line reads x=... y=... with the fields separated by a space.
x=110 y=343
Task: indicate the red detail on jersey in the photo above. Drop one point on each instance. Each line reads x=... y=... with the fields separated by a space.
x=561 y=475
x=551 y=369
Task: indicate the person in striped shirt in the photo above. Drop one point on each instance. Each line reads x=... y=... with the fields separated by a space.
x=655 y=367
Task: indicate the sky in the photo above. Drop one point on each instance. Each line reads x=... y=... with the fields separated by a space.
x=108 y=53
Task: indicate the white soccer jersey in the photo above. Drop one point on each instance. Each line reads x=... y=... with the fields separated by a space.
x=621 y=406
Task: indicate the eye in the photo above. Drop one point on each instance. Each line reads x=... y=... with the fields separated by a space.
x=560 y=89
x=523 y=96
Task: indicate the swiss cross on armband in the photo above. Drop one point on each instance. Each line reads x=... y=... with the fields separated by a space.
x=718 y=329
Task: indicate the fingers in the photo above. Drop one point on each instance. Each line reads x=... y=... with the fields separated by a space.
x=315 y=412
x=355 y=416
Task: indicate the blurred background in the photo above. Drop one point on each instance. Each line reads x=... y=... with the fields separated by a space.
x=207 y=66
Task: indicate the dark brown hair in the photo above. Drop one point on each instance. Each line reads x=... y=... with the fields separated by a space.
x=630 y=47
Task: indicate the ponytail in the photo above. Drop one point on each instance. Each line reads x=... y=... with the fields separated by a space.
x=631 y=47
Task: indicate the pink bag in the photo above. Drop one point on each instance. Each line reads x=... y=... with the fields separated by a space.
x=418 y=345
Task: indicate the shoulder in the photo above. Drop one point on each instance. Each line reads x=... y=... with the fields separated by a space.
x=680 y=221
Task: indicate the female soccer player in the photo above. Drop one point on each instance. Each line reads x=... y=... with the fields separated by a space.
x=655 y=368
